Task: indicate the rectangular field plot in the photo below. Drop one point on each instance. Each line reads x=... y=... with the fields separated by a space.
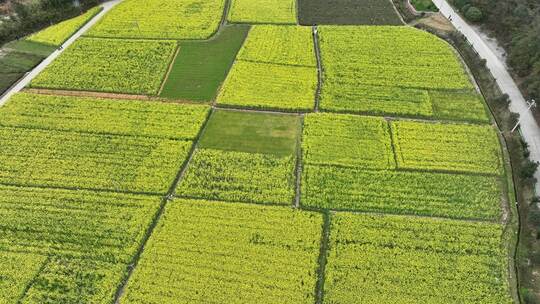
x=89 y=161
x=368 y=12
x=239 y=176
x=201 y=66
x=16 y=271
x=109 y=65
x=455 y=105
x=263 y=11
x=164 y=19
x=289 y=45
x=76 y=245
x=228 y=253
x=347 y=140
x=398 y=192
x=394 y=70
x=376 y=100
x=269 y=86
x=57 y=34
x=447 y=147
x=252 y=132
x=395 y=259
x=103 y=116
x=275 y=69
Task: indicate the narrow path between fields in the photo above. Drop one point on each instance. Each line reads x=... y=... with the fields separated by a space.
x=107 y=6
x=529 y=128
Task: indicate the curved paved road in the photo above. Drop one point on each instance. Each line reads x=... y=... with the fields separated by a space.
x=40 y=67
x=529 y=127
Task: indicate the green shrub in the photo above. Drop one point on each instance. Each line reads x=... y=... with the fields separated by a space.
x=474 y=14
x=528 y=169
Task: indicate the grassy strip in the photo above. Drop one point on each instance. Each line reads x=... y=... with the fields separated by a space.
x=201 y=67
x=21 y=56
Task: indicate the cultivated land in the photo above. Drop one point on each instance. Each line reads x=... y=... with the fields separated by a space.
x=173 y=19
x=269 y=77
x=383 y=183
x=265 y=11
x=57 y=34
x=365 y=12
x=109 y=65
x=201 y=66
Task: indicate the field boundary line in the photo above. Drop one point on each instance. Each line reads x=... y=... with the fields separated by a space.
x=397 y=12
x=393 y=213
x=229 y=201
x=169 y=69
x=88 y=189
x=323 y=256
x=33 y=280
x=317 y=49
x=392 y=144
x=96 y=133
x=213 y=102
x=411 y=170
x=106 y=95
x=159 y=213
x=278 y=63
x=298 y=166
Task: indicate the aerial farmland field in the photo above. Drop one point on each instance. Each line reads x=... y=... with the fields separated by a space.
x=234 y=151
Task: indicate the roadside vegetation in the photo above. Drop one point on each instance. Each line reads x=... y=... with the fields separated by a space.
x=516 y=25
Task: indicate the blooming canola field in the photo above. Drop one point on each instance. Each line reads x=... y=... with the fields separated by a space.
x=352 y=161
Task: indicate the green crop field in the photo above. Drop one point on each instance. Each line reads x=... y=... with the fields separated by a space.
x=372 y=253
x=402 y=192
x=347 y=140
x=201 y=66
x=104 y=116
x=216 y=151
x=57 y=34
x=396 y=71
x=171 y=19
x=278 y=73
x=252 y=132
x=366 y=12
x=83 y=160
x=230 y=253
x=239 y=176
x=467 y=148
x=122 y=66
x=265 y=11
x=75 y=245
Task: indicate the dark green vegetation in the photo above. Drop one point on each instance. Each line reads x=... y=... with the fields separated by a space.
x=367 y=12
x=424 y=5
x=201 y=67
x=516 y=25
x=252 y=132
x=20 y=57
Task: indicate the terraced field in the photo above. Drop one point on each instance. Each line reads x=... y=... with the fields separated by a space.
x=192 y=151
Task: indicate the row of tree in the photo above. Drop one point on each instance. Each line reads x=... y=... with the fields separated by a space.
x=516 y=24
x=25 y=17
